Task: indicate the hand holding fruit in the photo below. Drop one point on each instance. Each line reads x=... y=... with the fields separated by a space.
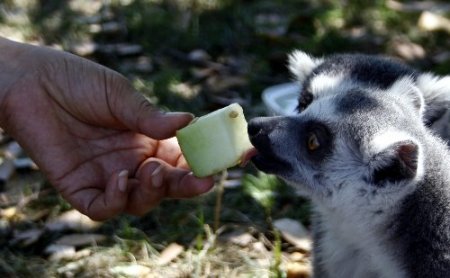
x=101 y=144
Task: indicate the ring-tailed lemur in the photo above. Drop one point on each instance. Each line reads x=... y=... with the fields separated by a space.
x=378 y=178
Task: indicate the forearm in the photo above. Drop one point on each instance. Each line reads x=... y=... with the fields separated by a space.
x=14 y=65
x=12 y=62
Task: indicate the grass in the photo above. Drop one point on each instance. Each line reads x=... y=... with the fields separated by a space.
x=246 y=40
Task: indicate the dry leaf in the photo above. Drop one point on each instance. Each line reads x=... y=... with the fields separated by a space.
x=80 y=239
x=429 y=21
x=297 y=257
x=59 y=252
x=222 y=83
x=295 y=233
x=72 y=220
x=260 y=248
x=408 y=50
x=134 y=270
x=128 y=49
x=11 y=214
x=27 y=237
x=298 y=270
x=170 y=253
x=199 y=55
x=7 y=169
x=84 y=49
x=241 y=239
x=418 y=6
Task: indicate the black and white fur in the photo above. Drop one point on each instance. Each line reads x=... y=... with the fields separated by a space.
x=378 y=177
x=376 y=72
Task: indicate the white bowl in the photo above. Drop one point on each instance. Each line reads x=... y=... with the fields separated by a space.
x=282 y=99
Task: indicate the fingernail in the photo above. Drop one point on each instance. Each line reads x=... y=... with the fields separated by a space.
x=156 y=176
x=177 y=114
x=122 y=180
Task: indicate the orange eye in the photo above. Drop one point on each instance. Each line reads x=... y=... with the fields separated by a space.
x=313 y=142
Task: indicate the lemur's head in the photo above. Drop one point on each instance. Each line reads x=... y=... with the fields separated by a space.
x=357 y=136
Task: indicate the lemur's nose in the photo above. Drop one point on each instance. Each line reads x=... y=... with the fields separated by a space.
x=254 y=127
x=261 y=125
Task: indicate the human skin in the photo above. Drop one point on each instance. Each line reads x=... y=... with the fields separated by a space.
x=100 y=143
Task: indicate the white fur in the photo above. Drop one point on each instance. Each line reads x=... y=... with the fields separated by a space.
x=354 y=214
x=353 y=243
x=389 y=138
x=301 y=64
x=325 y=84
x=354 y=249
x=406 y=90
x=434 y=88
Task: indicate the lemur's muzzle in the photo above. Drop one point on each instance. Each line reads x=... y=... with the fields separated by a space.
x=260 y=131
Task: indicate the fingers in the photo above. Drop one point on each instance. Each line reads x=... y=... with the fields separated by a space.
x=178 y=183
x=138 y=114
x=148 y=192
x=101 y=205
x=169 y=151
x=159 y=180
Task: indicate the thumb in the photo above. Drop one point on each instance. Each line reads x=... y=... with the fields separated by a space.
x=138 y=114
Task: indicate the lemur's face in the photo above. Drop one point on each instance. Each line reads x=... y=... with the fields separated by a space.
x=349 y=143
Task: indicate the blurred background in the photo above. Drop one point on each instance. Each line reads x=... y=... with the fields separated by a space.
x=196 y=56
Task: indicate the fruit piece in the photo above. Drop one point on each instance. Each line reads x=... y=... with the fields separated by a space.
x=216 y=141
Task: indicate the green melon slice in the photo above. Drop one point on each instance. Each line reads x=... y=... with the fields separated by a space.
x=216 y=141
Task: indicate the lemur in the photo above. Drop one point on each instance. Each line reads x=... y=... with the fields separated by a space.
x=361 y=150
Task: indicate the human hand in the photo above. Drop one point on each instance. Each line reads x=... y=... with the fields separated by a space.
x=103 y=146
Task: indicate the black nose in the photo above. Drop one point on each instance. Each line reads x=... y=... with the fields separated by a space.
x=254 y=127
x=262 y=125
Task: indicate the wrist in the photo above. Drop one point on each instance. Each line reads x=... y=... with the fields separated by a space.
x=15 y=64
x=11 y=61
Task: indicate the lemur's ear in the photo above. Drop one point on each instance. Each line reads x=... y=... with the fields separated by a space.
x=301 y=64
x=406 y=90
x=396 y=158
x=396 y=162
x=436 y=92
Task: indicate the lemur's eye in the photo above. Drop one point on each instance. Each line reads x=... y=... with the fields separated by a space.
x=313 y=142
